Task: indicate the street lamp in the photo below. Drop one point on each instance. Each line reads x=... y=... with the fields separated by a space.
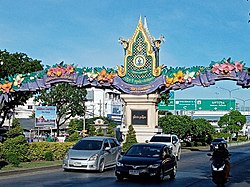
x=229 y=91
x=244 y=102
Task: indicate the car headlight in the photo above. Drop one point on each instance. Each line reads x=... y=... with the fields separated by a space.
x=154 y=166
x=66 y=156
x=119 y=164
x=94 y=157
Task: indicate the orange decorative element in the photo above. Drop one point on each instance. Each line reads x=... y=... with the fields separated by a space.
x=179 y=77
x=105 y=77
x=6 y=87
x=169 y=81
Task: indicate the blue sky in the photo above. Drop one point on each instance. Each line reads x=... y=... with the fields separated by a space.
x=86 y=32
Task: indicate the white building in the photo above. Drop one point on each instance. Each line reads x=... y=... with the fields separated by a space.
x=106 y=103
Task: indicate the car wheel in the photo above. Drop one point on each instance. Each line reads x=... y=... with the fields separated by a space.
x=101 y=166
x=66 y=170
x=160 y=177
x=173 y=173
x=119 y=177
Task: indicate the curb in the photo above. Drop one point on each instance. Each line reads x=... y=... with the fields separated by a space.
x=21 y=171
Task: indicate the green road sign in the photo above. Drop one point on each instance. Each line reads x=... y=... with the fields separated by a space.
x=163 y=106
x=215 y=104
x=171 y=95
x=185 y=104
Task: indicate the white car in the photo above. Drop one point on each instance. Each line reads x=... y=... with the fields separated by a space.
x=171 y=140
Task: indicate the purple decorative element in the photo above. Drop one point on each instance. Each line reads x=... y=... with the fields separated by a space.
x=204 y=80
x=138 y=89
x=32 y=86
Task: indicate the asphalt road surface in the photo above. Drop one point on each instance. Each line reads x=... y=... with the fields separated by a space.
x=193 y=171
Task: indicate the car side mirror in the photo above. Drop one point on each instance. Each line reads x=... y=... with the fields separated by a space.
x=146 y=141
x=209 y=154
x=174 y=141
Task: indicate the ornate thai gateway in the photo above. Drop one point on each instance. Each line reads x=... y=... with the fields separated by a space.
x=141 y=79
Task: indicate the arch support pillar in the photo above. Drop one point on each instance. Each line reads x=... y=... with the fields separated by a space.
x=141 y=111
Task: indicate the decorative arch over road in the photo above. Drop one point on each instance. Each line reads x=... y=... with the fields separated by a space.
x=141 y=73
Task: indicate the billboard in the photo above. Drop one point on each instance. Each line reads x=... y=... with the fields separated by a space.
x=45 y=116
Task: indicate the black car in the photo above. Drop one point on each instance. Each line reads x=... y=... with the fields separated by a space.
x=147 y=160
x=215 y=142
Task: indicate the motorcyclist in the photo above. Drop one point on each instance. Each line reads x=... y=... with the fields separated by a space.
x=223 y=153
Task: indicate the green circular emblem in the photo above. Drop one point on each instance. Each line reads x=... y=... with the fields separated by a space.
x=139 y=61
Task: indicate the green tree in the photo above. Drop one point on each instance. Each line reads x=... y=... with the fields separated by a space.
x=69 y=100
x=16 y=129
x=14 y=149
x=110 y=131
x=232 y=122
x=99 y=132
x=91 y=130
x=203 y=129
x=174 y=124
x=16 y=63
x=130 y=138
x=73 y=137
x=75 y=125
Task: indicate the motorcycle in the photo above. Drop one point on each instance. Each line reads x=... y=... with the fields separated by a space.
x=218 y=167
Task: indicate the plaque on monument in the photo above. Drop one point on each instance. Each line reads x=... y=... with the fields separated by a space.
x=139 y=117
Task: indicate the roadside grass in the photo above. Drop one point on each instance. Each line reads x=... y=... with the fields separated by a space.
x=30 y=165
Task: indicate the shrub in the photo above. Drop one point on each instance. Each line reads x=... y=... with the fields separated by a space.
x=36 y=150
x=49 y=156
x=13 y=159
x=190 y=144
x=197 y=143
x=130 y=138
x=73 y=137
x=17 y=146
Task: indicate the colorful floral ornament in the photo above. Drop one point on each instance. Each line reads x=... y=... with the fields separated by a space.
x=179 y=77
x=60 y=71
x=91 y=76
x=18 y=80
x=105 y=77
x=226 y=68
x=169 y=81
x=189 y=76
x=238 y=66
x=6 y=87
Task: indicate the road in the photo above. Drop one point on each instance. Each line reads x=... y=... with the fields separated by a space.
x=193 y=171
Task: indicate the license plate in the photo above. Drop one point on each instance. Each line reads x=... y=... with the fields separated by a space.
x=77 y=164
x=133 y=172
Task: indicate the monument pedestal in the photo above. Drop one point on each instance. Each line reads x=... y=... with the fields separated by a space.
x=141 y=111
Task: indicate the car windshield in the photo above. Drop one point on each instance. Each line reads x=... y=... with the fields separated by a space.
x=144 y=151
x=218 y=140
x=88 y=145
x=160 y=139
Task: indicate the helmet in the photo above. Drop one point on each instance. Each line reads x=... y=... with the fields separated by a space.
x=221 y=146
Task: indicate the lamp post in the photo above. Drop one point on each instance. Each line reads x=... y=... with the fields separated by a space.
x=229 y=91
x=244 y=102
